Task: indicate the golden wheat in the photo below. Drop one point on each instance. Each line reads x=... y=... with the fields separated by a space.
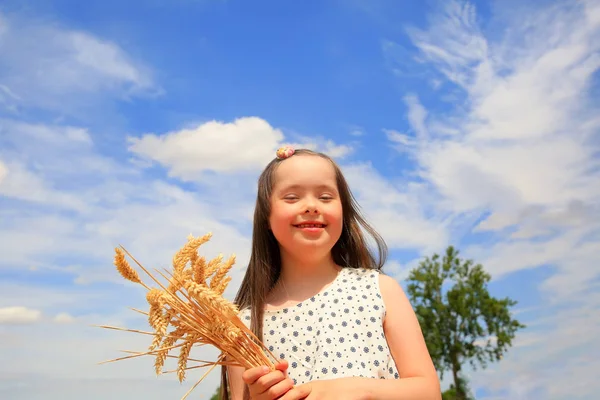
x=222 y=272
x=124 y=268
x=199 y=269
x=189 y=310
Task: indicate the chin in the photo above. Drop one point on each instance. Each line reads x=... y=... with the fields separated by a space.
x=315 y=248
x=309 y=256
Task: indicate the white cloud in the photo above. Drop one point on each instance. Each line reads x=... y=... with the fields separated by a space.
x=3 y=171
x=519 y=149
x=400 y=138
x=19 y=315
x=558 y=348
x=65 y=221
x=3 y=25
x=151 y=229
x=322 y=144
x=63 y=318
x=48 y=299
x=245 y=145
x=454 y=43
x=400 y=271
x=8 y=99
x=400 y=212
x=22 y=184
x=39 y=158
x=26 y=387
x=74 y=64
x=337 y=151
x=213 y=146
x=356 y=131
x=113 y=203
x=74 y=245
x=417 y=115
x=572 y=252
x=71 y=229
x=35 y=351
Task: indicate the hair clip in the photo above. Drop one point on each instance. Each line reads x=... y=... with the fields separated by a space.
x=285 y=152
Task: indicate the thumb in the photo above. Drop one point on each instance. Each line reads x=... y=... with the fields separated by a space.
x=303 y=390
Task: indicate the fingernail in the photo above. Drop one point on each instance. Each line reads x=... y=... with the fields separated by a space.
x=265 y=369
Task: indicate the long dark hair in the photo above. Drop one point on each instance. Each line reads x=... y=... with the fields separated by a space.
x=350 y=251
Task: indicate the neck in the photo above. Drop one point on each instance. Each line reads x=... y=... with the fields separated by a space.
x=296 y=269
x=301 y=278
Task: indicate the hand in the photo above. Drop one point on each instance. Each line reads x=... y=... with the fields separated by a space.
x=342 y=388
x=264 y=384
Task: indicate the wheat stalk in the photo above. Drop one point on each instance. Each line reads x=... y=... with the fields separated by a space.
x=189 y=310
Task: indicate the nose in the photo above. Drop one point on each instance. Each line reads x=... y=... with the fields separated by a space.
x=311 y=207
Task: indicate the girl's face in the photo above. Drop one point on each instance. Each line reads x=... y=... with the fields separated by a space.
x=306 y=210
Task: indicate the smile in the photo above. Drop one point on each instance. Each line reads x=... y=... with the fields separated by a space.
x=302 y=226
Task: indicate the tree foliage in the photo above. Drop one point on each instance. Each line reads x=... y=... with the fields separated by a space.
x=460 y=320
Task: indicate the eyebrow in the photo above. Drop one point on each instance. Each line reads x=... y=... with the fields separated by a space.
x=319 y=187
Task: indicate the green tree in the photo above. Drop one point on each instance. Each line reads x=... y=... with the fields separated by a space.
x=216 y=395
x=450 y=393
x=460 y=320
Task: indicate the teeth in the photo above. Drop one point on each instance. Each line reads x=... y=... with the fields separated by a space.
x=310 y=226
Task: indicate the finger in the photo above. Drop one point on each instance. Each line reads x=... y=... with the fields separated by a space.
x=277 y=390
x=253 y=374
x=297 y=393
x=265 y=382
x=282 y=365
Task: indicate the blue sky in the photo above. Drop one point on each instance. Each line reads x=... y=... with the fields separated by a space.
x=466 y=123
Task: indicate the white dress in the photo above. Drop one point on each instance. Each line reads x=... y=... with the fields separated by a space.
x=337 y=333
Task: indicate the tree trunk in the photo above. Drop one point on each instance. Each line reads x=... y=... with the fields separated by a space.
x=459 y=386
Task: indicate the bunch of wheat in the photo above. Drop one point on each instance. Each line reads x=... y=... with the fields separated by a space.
x=189 y=309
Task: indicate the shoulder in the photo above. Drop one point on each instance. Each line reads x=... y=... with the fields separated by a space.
x=389 y=286
x=393 y=295
x=397 y=305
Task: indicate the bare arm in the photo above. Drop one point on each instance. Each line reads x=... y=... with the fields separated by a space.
x=418 y=377
x=236 y=384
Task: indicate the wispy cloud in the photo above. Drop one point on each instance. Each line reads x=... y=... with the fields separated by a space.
x=46 y=65
x=522 y=148
x=556 y=359
x=519 y=145
x=400 y=211
x=510 y=154
x=67 y=202
x=356 y=131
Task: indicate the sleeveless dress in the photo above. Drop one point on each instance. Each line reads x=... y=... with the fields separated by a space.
x=336 y=333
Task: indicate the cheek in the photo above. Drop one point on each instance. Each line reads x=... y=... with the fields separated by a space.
x=335 y=218
x=281 y=217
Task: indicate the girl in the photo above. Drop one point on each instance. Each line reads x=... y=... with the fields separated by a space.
x=315 y=294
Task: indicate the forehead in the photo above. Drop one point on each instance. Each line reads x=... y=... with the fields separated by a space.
x=305 y=170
